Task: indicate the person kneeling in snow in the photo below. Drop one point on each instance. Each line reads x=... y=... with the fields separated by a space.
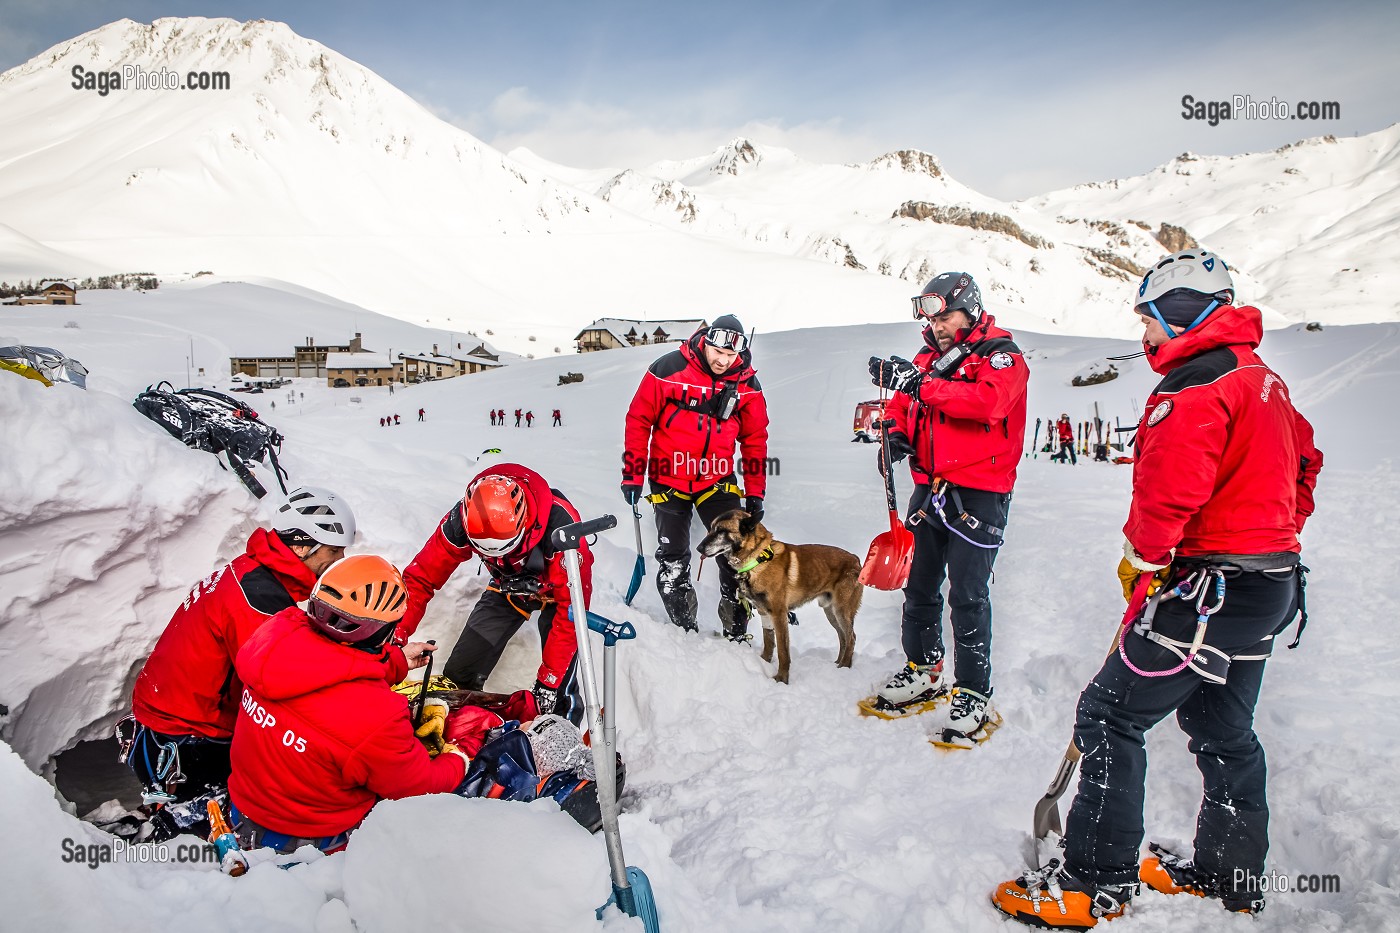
x=1222 y=485
x=321 y=736
x=186 y=697
x=506 y=519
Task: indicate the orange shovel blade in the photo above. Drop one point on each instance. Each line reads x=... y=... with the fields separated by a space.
x=887 y=562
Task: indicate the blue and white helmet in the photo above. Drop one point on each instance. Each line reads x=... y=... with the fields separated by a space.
x=1197 y=269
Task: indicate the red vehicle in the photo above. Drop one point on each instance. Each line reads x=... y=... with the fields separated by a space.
x=867 y=421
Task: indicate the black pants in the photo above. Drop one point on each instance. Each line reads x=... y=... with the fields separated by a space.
x=203 y=761
x=673 y=553
x=1105 y=827
x=493 y=621
x=1066 y=452
x=938 y=555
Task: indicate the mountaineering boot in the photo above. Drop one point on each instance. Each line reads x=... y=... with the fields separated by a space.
x=734 y=620
x=1168 y=873
x=916 y=688
x=677 y=593
x=1053 y=899
x=971 y=720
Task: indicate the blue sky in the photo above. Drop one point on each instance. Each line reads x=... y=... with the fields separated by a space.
x=1016 y=98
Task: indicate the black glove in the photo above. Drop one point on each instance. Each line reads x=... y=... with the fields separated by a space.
x=899 y=449
x=896 y=374
x=631 y=493
x=546 y=698
x=754 y=506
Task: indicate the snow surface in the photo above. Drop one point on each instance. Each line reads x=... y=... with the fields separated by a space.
x=751 y=805
x=311 y=168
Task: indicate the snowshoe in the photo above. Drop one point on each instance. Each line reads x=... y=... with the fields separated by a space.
x=971 y=721
x=915 y=689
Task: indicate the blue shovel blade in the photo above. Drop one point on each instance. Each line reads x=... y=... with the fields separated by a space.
x=636 y=900
x=639 y=570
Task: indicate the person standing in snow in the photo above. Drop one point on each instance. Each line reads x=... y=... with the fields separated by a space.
x=493 y=417
x=960 y=409
x=396 y=419
x=518 y=414
x=694 y=405
x=421 y=413
x=558 y=419
x=321 y=736
x=506 y=519
x=529 y=419
x=1223 y=482
x=185 y=701
x=1064 y=431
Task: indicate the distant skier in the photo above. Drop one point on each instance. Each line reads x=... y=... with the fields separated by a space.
x=960 y=409
x=1213 y=526
x=693 y=407
x=186 y=697
x=391 y=388
x=1064 y=433
x=529 y=419
x=493 y=417
x=396 y=419
x=381 y=422
x=558 y=419
x=518 y=415
x=422 y=415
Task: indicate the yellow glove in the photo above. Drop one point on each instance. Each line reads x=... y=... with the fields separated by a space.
x=429 y=731
x=1133 y=566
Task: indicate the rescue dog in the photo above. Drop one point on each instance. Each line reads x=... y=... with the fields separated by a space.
x=775 y=577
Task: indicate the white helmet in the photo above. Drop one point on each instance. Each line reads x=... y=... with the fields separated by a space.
x=1197 y=269
x=317 y=515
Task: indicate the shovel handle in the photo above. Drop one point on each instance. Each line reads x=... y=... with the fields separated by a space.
x=888 y=471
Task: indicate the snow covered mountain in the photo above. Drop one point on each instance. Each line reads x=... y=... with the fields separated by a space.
x=753 y=806
x=310 y=168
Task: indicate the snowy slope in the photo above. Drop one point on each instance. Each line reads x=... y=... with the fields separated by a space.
x=753 y=806
x=1317 y=223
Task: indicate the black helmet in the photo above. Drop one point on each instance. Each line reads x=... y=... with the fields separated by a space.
x=949 y=291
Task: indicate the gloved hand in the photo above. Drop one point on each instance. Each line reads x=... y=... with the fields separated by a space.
x=754 y=506
x=895 y=373
x=899 y=449
x=546 y=697
x=631 y=493
x=1132 y=566
x=429 y=731
x=450 y=749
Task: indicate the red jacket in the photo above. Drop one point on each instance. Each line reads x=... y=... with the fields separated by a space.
x=449 y=547
x=321 y=738
x=1224 y=463
x=673 y=435
x=188 y=685
x=968 y=430
x=1066 y=430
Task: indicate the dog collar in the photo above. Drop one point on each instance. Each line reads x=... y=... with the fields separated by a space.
x=763 y=557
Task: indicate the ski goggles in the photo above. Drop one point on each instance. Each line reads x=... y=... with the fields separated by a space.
x=929 y=307
x=726 y=339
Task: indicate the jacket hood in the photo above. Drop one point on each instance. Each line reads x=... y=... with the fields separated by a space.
x=287 y=658
x=1227 y=326
x=267 y=549
x=741 y=370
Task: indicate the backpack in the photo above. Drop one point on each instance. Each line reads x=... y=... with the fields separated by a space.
x=207 y=420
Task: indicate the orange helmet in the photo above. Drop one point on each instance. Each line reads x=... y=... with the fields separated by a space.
x=357 y=599
x=497 y=514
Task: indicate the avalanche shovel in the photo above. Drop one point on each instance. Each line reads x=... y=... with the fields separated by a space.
x=1047 y=810
x=887 y=562
x=631 y=889
x=639 y=569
